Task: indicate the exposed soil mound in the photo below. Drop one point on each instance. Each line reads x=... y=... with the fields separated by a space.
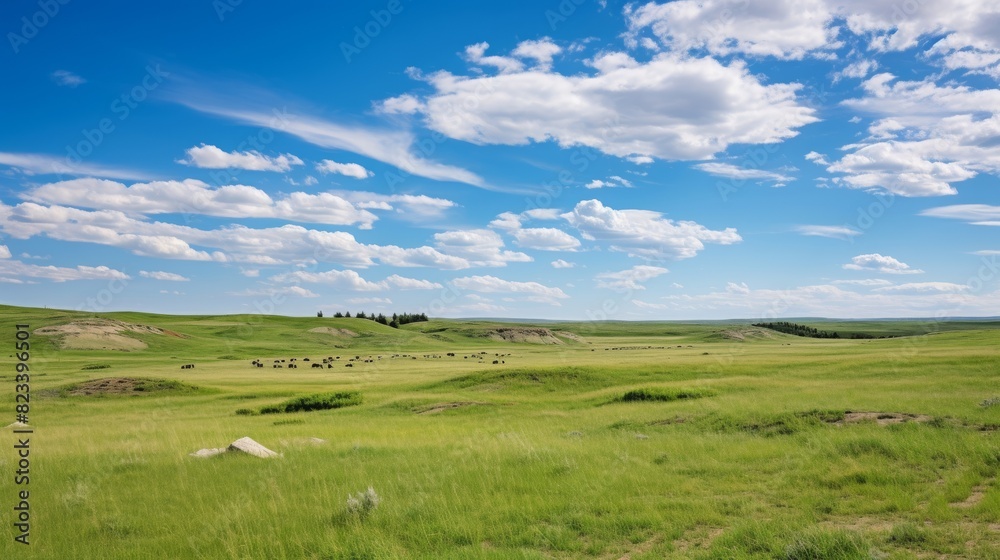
x=333 y=331
x=883 y=418
x=101 y=334
x=570 y=336
x=527 y=335
x=746 y=333
x=124 y=386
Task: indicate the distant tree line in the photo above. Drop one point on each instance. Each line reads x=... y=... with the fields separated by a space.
x=803 y=330
x=394 y=322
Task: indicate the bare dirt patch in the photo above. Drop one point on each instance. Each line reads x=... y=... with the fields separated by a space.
x=746 y=333
x=975 y=496
x=101 y=334
x=441 y=407
x=333 y=331
x=882 y=418
x=528 y=335
x=570 y=336
x=124 y=386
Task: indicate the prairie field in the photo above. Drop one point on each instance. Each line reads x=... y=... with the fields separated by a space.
x=609 y=440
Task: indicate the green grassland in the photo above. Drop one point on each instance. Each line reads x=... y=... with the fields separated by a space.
x=615 y=440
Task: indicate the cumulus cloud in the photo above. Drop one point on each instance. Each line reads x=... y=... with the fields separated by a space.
x=643 y=232
x=4 y=252
x=165 y=276
x=492 y=284
x=833 y=232
x=196 y=197
x=15 y=272
x=235 y=243
x=559 y=263
x=926 y=137
x=355 y=170
x=207 y=156
x=408 y=205
x=545 y=239
x=612 y=181
x=296 y=291
x=352 y=281
x=879 y=263
x=480 y=247
x=670 y=107
x=630 y=279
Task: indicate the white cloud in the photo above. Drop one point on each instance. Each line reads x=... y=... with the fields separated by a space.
x=362 y=300
x=4 y=252
x=833 y=232
x=978 y=214
x=207 y=156
x=15 y=272
x=869 y=282
x=492 y=284
x=405 y=104
x=559 y=263
x=403 y=283
x=786 y=29
x=165 y=276
x=613 y=181
x=945 y=287
x=250 y=272
x=195 y=197
x=310 y=181
x=643 y=232
x=480 y=247
x=630 y=279
x=347 y=169
x=351 y=280
x=408 y=205
x=926 y=137
x=541 y=51
x=40 y=164
x=858 y=69
x=670 y=107
x=67 y=78
x=265 y=246
x=731 y=171
x=389 y=146
x=817 y=158
x=546 y=239
x=879 y=263
x=297 y=291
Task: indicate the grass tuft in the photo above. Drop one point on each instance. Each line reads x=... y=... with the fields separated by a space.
x=323 y=401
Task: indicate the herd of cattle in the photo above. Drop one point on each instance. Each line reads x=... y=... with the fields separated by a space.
x=328 y=361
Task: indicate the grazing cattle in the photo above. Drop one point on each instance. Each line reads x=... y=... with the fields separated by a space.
x=305 y=359
x=317 y=366
x=329 y=366
x=496 y=361
x=348 y=365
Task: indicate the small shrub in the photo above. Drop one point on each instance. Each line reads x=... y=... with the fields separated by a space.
x=246 y=412
x=324 y=401
x=95 y=366
x=663 y=395
x=363 y=503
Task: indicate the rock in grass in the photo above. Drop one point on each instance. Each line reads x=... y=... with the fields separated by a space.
x=211 y=452
x=247 y=445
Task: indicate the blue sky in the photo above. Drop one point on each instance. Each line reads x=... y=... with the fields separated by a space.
x=569 y=159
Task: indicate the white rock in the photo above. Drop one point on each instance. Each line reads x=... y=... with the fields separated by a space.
x=247 y=445
x=17 y=425
x=211 y=452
